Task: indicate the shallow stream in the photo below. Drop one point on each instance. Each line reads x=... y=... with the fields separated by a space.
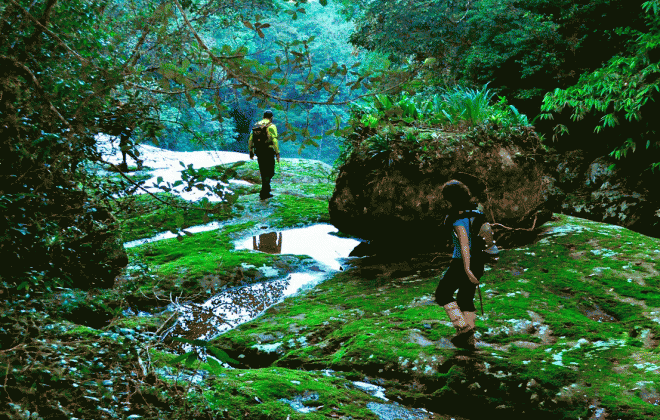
x=238 y=305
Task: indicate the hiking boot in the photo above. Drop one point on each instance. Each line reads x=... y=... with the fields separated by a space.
x=464 y=330
x=470 y=318
x=464 y=340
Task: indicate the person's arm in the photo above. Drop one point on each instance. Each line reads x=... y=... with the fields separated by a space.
x=461 y=233
x=272 y=131
x=250 y=146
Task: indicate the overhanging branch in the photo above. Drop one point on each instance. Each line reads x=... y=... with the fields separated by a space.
x=262 y=92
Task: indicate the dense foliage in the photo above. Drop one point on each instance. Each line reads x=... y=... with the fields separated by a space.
x=191 y=74
x=75 y=68
x=526 y=49
x=427 y=124
x=51 y=90
x=622 y=91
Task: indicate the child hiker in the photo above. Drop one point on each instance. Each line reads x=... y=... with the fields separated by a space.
x=464 y=272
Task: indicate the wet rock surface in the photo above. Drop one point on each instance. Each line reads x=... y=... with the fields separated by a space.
x=546 y=344
x=591 y=188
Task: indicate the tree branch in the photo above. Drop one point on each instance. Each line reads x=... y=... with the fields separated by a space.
x=38 y=87
x=48 y=32
x=262 y=92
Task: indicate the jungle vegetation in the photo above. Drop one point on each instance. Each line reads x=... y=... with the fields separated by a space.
x=196 y=73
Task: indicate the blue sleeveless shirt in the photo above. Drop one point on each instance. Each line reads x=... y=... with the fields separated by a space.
x=465 y=222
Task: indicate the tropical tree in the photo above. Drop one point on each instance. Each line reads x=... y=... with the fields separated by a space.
x=68 y=64
x=597 y=58
x=620 y=96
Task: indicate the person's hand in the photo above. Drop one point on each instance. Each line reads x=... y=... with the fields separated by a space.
x=472 y=277
x=278 y=158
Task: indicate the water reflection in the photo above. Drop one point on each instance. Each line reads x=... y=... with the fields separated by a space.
x=227 y=310
x=236 y=306
x=270 y=243
x=315 y=241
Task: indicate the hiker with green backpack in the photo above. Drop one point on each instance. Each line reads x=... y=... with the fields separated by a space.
x=473 y=246
x=263 y=143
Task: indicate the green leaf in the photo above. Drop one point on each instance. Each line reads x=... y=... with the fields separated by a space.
x=181 y=358
x=214 y=363
x=221 y=355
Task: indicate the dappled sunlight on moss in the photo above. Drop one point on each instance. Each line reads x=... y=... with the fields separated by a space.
x=552 y=318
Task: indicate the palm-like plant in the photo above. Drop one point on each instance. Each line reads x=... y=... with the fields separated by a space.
x=470 y=105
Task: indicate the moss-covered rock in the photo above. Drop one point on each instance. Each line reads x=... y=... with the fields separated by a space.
x=596 y=188
x=566 y=329
x=571 y=330
x=389 y=188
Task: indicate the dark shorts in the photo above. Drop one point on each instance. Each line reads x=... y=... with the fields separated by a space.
x=456 y=279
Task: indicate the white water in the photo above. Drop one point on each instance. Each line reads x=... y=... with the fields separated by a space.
x=241 y=304
x=169 y=164
x=169 y=235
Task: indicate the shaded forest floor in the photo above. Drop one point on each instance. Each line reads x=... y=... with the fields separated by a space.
x=571 y=328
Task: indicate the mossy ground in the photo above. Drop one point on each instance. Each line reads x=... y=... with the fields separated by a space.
x=193 y=268
x=142 y=216
x=543 y=351
x=203 y=264
x=591 y=287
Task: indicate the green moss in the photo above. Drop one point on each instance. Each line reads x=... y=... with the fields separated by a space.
x=208 y=253
x=355 y=324
x=143 y=216
x=82 y=331
x=263 y=392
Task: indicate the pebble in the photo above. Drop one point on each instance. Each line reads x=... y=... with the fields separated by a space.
x=107 y=383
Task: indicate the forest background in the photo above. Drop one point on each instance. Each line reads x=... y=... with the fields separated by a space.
x=195 y=74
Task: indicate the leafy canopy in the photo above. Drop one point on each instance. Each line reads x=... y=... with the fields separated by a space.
x=623 y=88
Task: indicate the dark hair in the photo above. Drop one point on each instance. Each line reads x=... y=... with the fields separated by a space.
x=268 y=114
x=457 y=194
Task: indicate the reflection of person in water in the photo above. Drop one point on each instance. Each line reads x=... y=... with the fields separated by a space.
x=268 y=242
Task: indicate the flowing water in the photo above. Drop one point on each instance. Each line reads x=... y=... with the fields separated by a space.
x=235 y=306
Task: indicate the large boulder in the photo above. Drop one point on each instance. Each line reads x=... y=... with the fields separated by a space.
x=594 y=189
x=391 y=191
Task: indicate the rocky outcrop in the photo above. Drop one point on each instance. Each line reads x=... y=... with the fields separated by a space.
x=594 y=189
x=392 y=192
